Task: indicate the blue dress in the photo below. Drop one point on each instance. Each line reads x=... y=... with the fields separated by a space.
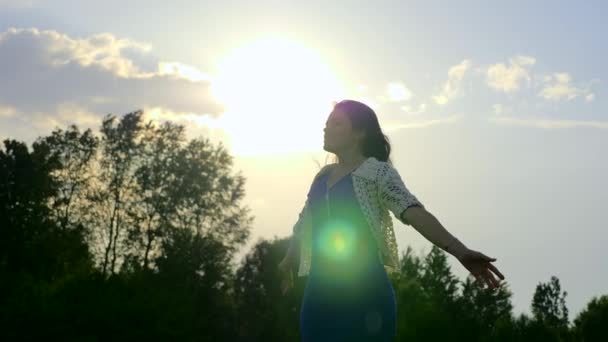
x=348 y=295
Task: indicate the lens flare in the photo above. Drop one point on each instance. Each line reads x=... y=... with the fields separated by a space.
x=337 y=240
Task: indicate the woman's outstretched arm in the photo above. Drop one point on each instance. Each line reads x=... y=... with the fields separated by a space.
x=476 y=262
x=430 y=227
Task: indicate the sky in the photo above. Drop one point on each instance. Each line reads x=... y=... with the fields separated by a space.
x=496 y=111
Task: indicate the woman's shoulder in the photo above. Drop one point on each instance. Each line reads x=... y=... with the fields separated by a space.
x=370 y=168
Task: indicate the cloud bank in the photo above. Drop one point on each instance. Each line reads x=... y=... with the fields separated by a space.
x=52 y=78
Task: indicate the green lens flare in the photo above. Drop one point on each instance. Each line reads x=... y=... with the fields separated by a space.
x=339 y=243
x=337 y=240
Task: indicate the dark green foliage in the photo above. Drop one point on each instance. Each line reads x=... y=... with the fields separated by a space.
x=130 y=236
x=590 y=325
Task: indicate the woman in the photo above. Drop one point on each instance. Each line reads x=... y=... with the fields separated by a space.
x=346 y=240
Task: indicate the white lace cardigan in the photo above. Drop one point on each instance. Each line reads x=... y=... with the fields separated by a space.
x=378 y=188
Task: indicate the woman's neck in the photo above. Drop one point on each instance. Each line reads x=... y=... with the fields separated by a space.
x=348 y=161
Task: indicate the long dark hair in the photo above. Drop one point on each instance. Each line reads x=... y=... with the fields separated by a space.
x=362 y=117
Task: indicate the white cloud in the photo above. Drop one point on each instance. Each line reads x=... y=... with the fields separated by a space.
x=48 y=76
x=196 y=125
x=509 y=78
x=558 y=86
x=548 y=123
x=17 y=3
x=361 y=88
x=54 y=49
x=28 y=126
x=451 y=88
x=62 y=115
x=103 y=50
x=398 y=92
x=181 y=70
x=412 y=110
x=7 y=111
x=394 y=126
x=498 y=108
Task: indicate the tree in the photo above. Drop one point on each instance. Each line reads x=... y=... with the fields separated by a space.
x=113 y=190
x=411 y=265
x=194 y=274
x=206 y=195
x=590 y=324
x=159 y=148
x=36 y=255
x=426 y=297
x=186 y=187
x=549 y=304
x=163 y=216
x=30 y=240
x=437 y=278
x=414 y=307
x=264 y=314
x=74 y=152
x=486 y=314
x=550 y=311
x=150 y=181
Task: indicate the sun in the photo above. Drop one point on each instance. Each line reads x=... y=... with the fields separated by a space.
x=277 y=94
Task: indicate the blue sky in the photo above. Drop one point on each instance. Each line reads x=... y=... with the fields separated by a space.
x=496 y=111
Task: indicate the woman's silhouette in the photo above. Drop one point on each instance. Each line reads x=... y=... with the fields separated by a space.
x=348 y=296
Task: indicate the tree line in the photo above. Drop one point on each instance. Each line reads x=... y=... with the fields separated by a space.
x=130 y=233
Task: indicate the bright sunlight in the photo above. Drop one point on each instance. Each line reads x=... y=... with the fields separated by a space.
x=277 y=94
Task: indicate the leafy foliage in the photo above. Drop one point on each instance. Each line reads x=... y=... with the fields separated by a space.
x=129 y=234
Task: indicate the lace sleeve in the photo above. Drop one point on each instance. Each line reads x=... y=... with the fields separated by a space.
x=394 y=194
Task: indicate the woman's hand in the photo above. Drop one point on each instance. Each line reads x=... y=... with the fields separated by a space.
x=480 y=267
x=285 y=275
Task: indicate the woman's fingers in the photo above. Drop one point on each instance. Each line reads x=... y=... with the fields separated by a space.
x=490 y=275
x=485 y=274
x=485 y=277
x=492 y=279
x=486 y=280
x=495 y=270
x=487 y=258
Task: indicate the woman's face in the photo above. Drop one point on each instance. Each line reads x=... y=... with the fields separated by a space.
x=339 y=134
